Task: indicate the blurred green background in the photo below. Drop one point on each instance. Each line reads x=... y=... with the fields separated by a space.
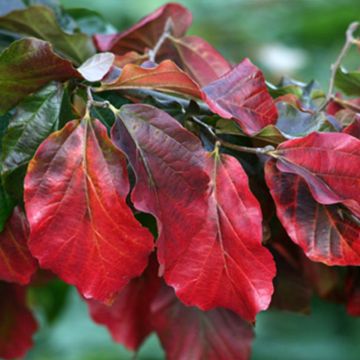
x=298 y=38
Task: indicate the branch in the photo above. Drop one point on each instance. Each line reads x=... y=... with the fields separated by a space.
x=167 y=31
x=91 y=102
x=350 y=40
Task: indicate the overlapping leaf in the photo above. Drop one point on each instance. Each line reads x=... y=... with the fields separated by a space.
x=354 y=128
x=242 y=94
x=129 y=318
x=209 y=233
x=214 y=335
x=35 y=118
x=97 y=66
x=40 y=22
x=329 y=163
x=322 y=231
x=164 y=77
x=200 y=60
x=17 y=324
x=81 y=226
x=17 y=264
x=145 y=34
x=26 y=66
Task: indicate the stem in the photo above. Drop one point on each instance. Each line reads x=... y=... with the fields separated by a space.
x=167 y=31
x=350 y=40
x=347 y=104
x=259 y=151
x=91 y=102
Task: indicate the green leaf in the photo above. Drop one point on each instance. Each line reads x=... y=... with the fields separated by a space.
x=35 y=118
x=6 y=206
x=41 y=22
x=348 y=82
x=26 y=66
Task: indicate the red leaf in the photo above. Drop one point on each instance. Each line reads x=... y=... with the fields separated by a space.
x=17 y=324
x=187 y=333
x=329 y=163
x=242 y=94
x=200 y=60
x=164 y=77
x=354 y=128
x=81 y=226
x=209 y=236
x=128 y=318
x=131 y=57
x=145 y=34
x=16 y=265
x=321 y=231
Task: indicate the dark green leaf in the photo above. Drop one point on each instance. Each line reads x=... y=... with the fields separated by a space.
x=35 y=118
x=6 y=206
x=41 y=22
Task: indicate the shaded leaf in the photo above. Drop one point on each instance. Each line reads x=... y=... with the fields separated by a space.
x=200 y=232
x=17 y=264
x=353 y=292
x=164 y=77
x=242 y=94
x=41 y=22
x=26 y=66
x=322 y=231
x=17 y=324
x=213 y=335
x=128 y=318
x=6 y=206
x=145 y=34
x=329 y=164
x=200 y=60
x=81 y=226
x=354 y=128
x=97 y=66
x=348 y=81
x=35 y=118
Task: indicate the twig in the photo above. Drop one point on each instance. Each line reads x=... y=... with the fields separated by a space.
x=91 y=102
x=350 y=40
x=167 y=31
x=257 y=150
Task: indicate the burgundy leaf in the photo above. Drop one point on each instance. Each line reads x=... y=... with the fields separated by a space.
x=81 y=227
x=128 y=318
x=17 y=324
x=17 y=264
x=322 y=231
x=187 y=333
x=329 y=163
x=242 y=94
x=354 y=128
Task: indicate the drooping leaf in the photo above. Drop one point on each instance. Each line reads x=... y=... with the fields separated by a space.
x=97 y=66
x=171 y=180
x=26 y=66
x=164 y=77
x=145 y=34
x=213 y=335
x=41 y=22
x=200 y=60
x=81 y=226
x=322 y=231
x=201 y=226
x=128 y=319
x=17 y=264
x=35 y=118
x=242 y=94
x=348 y=81
x=17 y=324
x=329 y=164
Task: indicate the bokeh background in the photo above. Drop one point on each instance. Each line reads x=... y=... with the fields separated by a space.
x=297 y=38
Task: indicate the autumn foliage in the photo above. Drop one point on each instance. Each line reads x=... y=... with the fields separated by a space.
x=179 y=193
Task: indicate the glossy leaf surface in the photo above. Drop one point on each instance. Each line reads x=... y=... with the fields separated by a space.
x=26 y=66
x=242 y=94
x=81 y=227
x=329 y=164
x=213 y=335
x=40 y=22
x=164 y=77
x=17 y=324
x=200 y=60
x=322 y=231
